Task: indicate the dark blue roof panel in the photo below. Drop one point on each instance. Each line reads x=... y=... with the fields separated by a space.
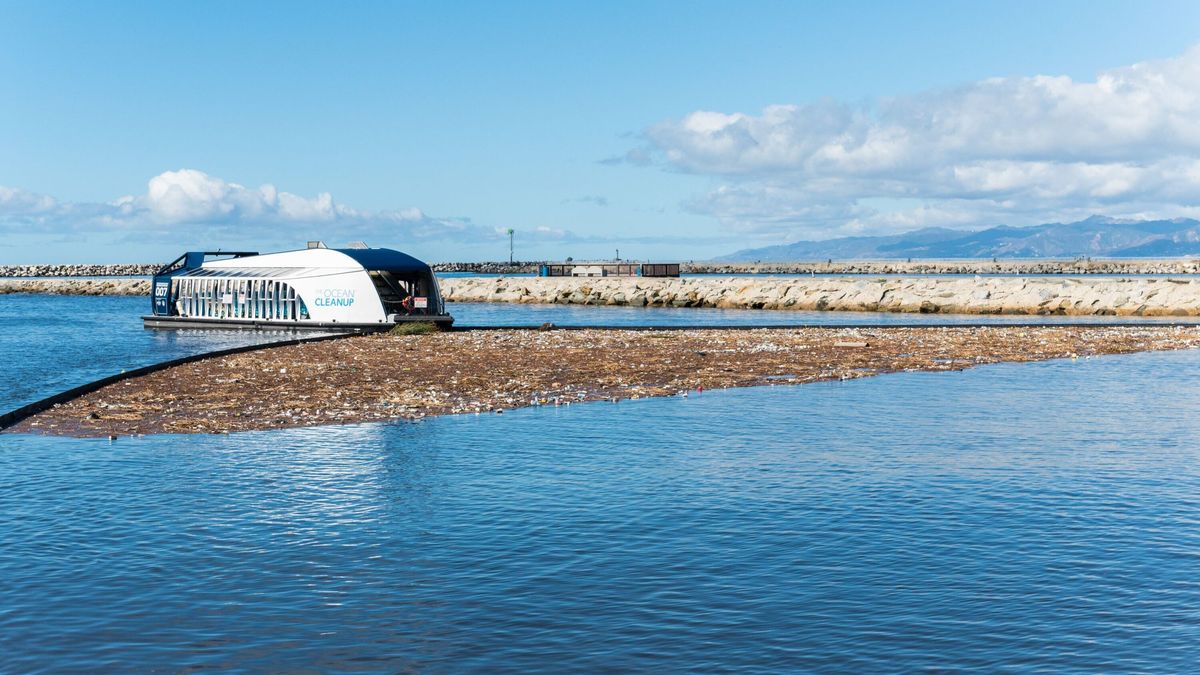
x=385 y=259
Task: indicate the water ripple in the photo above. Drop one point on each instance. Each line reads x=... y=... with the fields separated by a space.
x=1020 y=517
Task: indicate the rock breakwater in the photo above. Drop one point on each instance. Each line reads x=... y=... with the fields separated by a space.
x=486 y=267
x=919 y=267
x=76 y=286
x=129 y=270
x=1138 y=296
x=980 y=295
x=147 y=269
x=1071 y=267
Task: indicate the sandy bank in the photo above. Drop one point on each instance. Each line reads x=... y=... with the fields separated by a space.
x=386 y=377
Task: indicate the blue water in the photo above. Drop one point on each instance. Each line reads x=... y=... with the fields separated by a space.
x=1026 y=517
x=51 y=343
x=505 y=314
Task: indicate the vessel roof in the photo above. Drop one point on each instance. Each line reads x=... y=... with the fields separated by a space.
x=318 y=260
x=384 y=259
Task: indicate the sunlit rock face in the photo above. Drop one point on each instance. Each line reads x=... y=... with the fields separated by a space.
x=994 y=295
x=939 y=295
x=76 y=286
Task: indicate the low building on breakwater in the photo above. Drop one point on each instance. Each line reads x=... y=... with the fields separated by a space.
x=608 y=269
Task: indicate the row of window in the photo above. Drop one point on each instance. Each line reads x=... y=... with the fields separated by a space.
x=221 y=298
x=251 y=272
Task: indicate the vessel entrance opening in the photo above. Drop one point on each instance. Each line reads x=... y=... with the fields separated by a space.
x=405 y=295
x=394 y=293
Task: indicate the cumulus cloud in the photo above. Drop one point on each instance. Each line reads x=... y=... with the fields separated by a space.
x=999 y=150
x=191 y=200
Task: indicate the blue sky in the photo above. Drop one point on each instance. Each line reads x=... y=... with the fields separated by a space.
x=131 y=131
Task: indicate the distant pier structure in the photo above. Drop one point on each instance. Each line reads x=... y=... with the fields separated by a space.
x=608 y=269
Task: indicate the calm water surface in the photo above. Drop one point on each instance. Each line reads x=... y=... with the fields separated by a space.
x=51 y=343
x=505 y=314
x=1024 y=517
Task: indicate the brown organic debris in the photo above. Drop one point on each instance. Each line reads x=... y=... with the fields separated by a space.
x=405 y=377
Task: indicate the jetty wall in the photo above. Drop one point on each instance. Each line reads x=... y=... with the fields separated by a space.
x=983 y=295
x=76 y=286
x=1011 y=266
x=147 y=269
x=1136 y=296
x=917 y=267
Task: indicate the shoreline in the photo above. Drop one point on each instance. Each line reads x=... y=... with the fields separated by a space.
x=921 y=295
x=382 y=378
x=1010 y=266
x=1138 y=296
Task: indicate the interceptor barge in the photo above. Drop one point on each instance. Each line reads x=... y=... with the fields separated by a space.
x=348 y=289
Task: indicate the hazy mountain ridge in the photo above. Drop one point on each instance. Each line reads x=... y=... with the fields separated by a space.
x=1096 y=236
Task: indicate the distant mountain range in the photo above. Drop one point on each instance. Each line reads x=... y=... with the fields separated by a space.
x=1097 y=236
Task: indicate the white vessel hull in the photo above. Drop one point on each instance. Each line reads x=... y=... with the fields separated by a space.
x=322 y=289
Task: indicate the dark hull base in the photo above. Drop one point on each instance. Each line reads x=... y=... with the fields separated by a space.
x=178 y=322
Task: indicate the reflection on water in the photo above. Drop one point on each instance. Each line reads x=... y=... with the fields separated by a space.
x=1034 y=517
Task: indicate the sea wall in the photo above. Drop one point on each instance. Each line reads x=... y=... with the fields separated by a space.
x=1162 y=296
x=1072 y=267
x=1011 y=266
x=147 y=269
x=981 y=295
x=76 y=286
x=126 y=270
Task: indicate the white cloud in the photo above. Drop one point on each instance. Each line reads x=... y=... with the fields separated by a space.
x=194 y=202
x=16 y=200
x=594 y=200
x=999 y=150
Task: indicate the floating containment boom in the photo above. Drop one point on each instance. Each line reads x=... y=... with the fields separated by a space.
x=350 y=289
